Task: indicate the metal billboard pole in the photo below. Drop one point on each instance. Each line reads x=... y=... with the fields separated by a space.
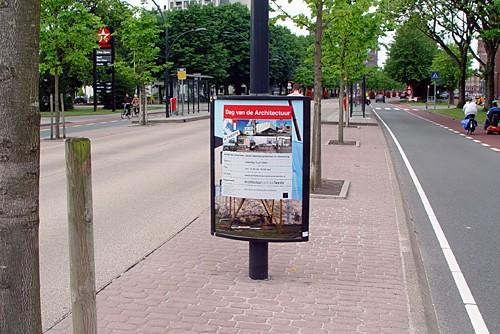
x=259 y=85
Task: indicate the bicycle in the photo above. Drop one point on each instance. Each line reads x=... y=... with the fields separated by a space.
x=126 y=112
x=471 y=125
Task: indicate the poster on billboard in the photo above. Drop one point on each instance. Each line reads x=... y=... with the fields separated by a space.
x=260 y=167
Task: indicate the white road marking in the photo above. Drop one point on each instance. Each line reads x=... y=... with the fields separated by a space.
x=396 y=109
x=476 y=141
x=406 y=109
x=469 y=303
x=76 y=126
x=378 y=108
x=468 y=137
x=387 y=108
x=485 y=145
x=495 y=149
x=90 y=124
x=462 y=135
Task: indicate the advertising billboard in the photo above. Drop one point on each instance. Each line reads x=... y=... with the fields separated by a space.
x=260 y=167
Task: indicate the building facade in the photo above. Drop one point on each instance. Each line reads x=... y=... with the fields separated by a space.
x=482 y=55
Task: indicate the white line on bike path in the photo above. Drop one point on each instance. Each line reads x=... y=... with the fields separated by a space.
x=463 y=288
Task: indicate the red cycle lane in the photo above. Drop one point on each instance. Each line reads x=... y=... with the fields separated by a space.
x=493 y=140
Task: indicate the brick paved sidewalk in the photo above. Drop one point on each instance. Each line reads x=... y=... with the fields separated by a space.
x=348 y=278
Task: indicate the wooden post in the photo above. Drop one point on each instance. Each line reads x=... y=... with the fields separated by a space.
x=62 y=116
x=81 y=240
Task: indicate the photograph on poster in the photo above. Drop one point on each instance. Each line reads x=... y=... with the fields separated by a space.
x=259 y=170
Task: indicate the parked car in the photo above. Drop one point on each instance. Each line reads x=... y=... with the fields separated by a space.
x=80 y=99
x=380 y=98
x=444 y=95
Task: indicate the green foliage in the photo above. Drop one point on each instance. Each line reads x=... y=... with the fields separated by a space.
x=285 y=52
x=140 y=37
x=410 y=55
x=112 y=12
x=378 y=80
x=67 y=37
x=353 y=29
x=223 y=51
x=449 y=71
x=215 y=50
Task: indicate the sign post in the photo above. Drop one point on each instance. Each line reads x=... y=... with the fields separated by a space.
x=434 y=78
x=181 y=77
x=104 y=57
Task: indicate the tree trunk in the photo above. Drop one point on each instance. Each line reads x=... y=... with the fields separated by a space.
x=56 y=104
x=462 y=79
x=451 y=97
x=142 y=105
x=316 y=142
x=19 y=167
x=341 y=112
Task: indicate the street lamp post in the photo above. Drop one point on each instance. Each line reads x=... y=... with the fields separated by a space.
x=165 y=73
x=427 y=99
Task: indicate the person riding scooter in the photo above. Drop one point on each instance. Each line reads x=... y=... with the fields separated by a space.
x=492 y=116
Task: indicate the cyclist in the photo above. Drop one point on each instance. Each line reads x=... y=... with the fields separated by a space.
x=127 y=104
x=470 y=111
x=135 y=104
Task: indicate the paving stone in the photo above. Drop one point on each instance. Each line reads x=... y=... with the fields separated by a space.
x=347 y=279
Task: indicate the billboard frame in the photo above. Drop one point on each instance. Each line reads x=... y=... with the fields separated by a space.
x=306 y=139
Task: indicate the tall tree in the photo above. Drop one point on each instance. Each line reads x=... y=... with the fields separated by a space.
x=285 y=53
x=140 y=35
x=444 y=21
x=67 y=38
x=208 y=52
x=354 y=29
x=410 y=57
x=485 y=18
x=19 y=167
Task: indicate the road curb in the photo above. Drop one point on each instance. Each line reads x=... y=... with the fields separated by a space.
x=177 y=120
x=351 y=123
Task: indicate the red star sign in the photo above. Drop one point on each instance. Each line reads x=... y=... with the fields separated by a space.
x=104 y=36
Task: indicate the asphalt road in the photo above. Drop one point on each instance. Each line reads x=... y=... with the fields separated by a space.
x=460 y=178
x=148 y=182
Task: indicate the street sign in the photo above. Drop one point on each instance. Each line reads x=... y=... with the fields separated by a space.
x=435 y=76
x=260 y=168
x=181 y=73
